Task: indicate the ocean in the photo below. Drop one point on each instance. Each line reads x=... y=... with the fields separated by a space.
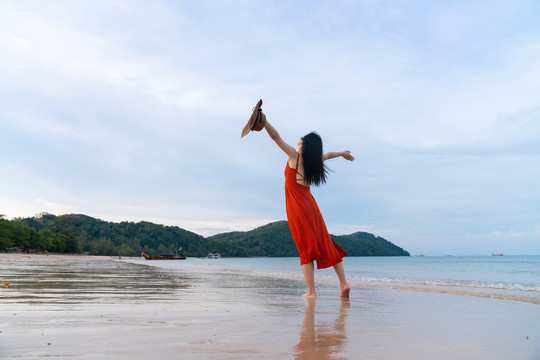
x=514 y=278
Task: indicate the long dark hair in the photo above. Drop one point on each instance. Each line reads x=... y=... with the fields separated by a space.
x=315 y=171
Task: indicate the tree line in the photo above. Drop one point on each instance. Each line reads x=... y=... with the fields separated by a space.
x=59 y=236
x=83 y=234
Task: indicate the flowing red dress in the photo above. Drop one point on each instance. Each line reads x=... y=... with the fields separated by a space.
x=307 y=224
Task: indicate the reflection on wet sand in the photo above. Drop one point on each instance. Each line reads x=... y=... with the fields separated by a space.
x=324 y=340
x=80 y=279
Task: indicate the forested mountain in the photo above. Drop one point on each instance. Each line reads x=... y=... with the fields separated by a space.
x=275 y=239
x=81 y=233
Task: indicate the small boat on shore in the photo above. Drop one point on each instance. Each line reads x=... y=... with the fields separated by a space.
x=163 y=256
x=213 y=256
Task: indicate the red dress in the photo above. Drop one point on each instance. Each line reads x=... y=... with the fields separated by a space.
x=307 y=225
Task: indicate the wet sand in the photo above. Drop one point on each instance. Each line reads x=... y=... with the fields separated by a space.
x=59 y=307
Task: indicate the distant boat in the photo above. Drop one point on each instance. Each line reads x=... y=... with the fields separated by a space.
x=497 y=254
x=419 y=255
x=213 y=256
x=164 y=256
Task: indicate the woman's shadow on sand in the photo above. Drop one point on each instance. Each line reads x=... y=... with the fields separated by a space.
x=324 y=340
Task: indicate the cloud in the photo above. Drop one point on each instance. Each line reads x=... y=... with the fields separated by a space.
x=55 y=208
x=133 y=110
x=528 y=233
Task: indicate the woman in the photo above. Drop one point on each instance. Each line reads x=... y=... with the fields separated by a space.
x=305 y=167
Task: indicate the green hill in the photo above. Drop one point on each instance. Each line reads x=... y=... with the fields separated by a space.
x=275 y=239
x=80 y=233
x=366 y=244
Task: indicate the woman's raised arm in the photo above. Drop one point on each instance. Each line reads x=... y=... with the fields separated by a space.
x=332 y=155
x=287 y=149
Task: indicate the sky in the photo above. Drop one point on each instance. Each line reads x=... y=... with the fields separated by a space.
x=132 y=111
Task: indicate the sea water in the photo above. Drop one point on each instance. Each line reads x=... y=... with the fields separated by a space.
x=500 y=277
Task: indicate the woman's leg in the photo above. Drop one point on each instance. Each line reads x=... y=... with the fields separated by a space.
x=309 y=276
x=343 y=285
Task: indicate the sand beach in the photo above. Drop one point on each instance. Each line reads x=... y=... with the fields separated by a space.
x=62 y=307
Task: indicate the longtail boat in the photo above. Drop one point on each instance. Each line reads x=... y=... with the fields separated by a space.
x=163 y=257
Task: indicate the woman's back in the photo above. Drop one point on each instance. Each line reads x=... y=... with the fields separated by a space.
x=298 y=165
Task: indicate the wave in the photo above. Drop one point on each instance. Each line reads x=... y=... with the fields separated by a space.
x=453 y=283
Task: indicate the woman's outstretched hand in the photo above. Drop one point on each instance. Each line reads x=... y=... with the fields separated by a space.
x=347 y=155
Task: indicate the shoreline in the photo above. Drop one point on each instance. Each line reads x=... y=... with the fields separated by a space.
x=20 y=255
x=381 y=283
x=357 y=284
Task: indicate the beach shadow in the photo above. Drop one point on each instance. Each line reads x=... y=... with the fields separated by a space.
x=323 y=340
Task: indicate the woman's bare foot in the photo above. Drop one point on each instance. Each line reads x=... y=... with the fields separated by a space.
x=345 y=290
x=309 y=296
